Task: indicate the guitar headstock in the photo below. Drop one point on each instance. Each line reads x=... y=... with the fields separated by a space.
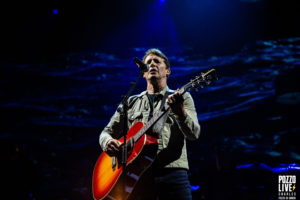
x=201 y=81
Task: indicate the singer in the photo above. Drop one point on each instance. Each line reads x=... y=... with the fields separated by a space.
x=167 y=178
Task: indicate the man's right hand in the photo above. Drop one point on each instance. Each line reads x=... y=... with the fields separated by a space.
x=113 y=147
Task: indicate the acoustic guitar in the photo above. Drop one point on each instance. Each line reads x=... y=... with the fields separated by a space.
x=109 y=176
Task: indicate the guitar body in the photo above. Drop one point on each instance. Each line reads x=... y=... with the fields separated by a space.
x=108 y=181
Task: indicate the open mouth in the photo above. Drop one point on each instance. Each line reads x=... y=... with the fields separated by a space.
x=152 y=70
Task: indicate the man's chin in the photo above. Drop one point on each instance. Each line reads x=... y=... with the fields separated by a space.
x=153 y=78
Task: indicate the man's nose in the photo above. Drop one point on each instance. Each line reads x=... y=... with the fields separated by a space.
x=152 y=63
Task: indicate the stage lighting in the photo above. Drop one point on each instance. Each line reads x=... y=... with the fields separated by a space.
x=54 y=11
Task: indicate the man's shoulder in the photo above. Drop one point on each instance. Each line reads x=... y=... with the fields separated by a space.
x=138 y=95
x=135 y=97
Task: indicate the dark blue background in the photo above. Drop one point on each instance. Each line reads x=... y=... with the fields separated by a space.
x=65 y=65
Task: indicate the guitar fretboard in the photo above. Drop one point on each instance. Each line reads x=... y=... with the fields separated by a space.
x=150 y=123
x=157 y=116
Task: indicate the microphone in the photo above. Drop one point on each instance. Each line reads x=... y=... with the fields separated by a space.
x=141 y=65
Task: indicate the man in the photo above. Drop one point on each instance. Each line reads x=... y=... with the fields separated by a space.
x=168 y=174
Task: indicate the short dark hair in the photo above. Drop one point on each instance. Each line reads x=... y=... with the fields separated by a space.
x=158 y=53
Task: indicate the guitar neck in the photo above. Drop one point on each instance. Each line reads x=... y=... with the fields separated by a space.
x=150 y=123
x=156 y=117
x=204 y=79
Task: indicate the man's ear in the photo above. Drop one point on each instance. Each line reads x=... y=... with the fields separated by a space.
x=168 y=72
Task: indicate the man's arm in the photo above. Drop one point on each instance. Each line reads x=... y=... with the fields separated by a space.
x=107 y=137
x=184 y=109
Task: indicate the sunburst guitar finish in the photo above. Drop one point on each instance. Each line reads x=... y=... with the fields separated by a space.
x=108 y=181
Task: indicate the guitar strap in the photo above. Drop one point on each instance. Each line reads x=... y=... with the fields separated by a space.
x=159 y=125
x=163 y=101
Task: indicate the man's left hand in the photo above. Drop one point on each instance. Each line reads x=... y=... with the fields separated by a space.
x=175 y=101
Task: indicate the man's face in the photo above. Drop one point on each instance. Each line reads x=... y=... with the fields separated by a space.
x=157 y=68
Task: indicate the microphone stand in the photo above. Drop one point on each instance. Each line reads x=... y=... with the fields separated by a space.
x=123 y=112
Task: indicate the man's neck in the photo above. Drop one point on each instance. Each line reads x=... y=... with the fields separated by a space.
x=156 y=87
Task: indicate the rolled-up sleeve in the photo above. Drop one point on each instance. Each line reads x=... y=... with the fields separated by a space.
x=190 y=126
